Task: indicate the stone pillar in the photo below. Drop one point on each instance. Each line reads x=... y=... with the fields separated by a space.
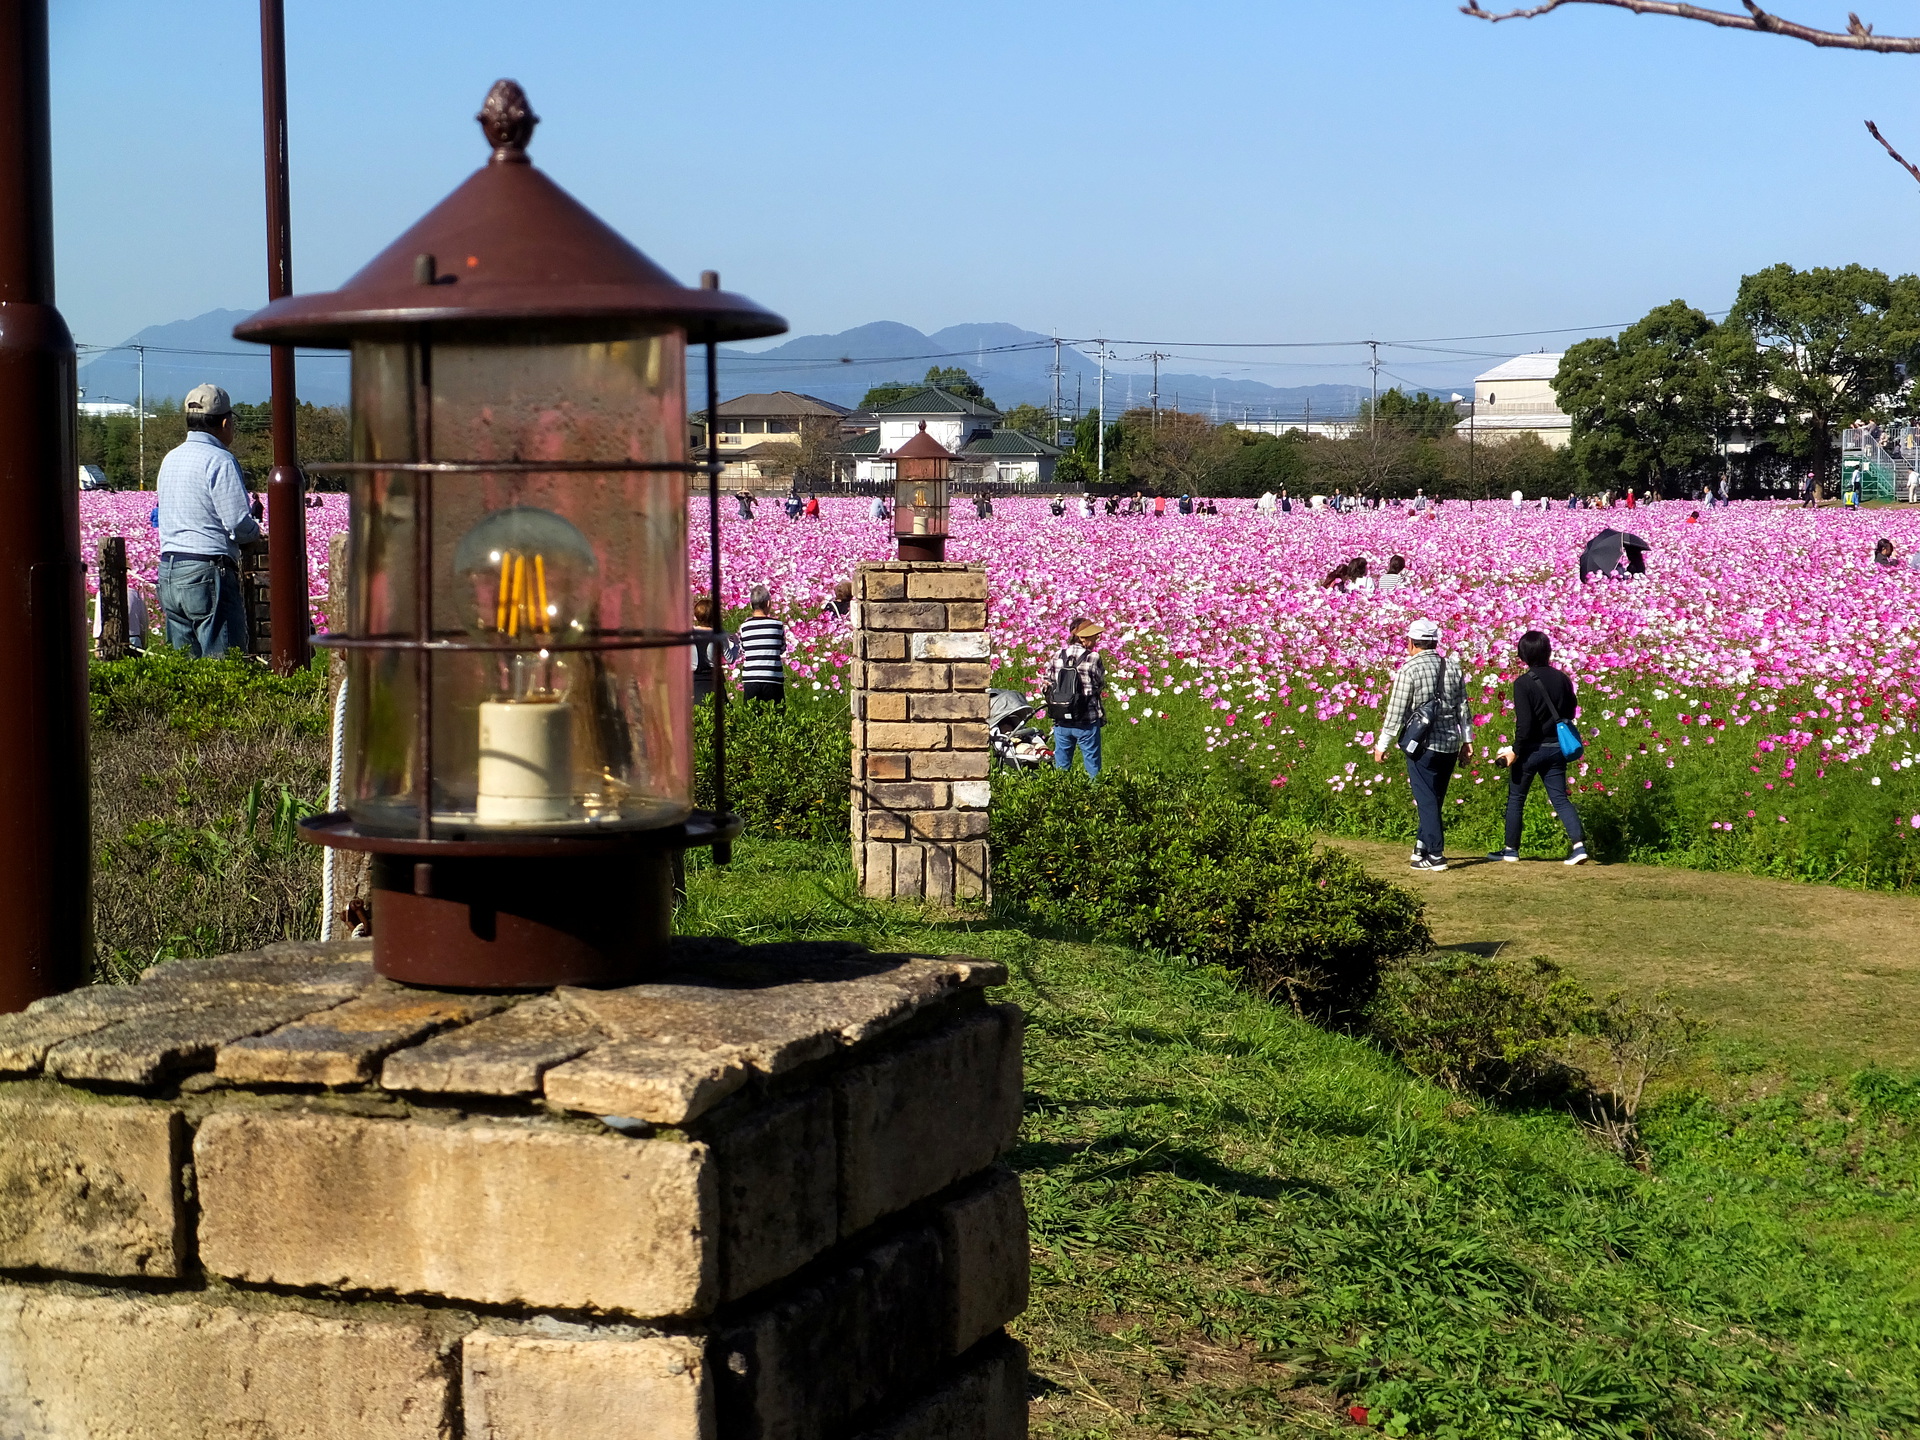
x=920 y=673
x=271 y=1194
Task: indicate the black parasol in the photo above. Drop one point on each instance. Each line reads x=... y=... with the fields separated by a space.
x=1602 y=554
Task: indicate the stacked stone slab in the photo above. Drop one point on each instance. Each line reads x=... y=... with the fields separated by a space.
x=271 y=1194
x=920 y=673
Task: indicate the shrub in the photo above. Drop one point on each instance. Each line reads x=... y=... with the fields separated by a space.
x=1188 y=869
x=789 y=766
x=1481 y=1025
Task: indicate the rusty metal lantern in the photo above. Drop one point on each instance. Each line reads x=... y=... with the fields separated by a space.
x=518 y=751
x=922 y=478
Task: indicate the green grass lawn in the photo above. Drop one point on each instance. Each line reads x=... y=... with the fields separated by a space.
x=1243 y=1224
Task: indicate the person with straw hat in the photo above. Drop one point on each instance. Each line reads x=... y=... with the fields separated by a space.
x=1074 y=695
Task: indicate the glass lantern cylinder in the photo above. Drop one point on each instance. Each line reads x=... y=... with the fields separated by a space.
x=922 y=470
x=556 y=708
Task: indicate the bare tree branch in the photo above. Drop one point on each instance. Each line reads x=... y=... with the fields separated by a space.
x=1858 y=36
x=1906 y=164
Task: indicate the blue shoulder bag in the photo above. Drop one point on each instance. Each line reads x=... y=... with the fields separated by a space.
x=1564 y=733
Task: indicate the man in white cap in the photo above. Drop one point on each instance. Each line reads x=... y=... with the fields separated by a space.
x=204 y=519
x=1426 y=718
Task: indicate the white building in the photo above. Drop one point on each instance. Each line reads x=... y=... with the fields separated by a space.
x=1516 y=398
x=965 y=427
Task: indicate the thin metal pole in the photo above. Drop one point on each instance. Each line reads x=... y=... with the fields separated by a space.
x=286 y=486
x=45 y=849
x=723 y=849
x=1102 y=426
x=141 y=418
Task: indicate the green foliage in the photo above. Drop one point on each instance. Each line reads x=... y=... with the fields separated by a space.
x=1081 y=464
x=1193 y=871
x=951 y=378
x=1254 y=464
x=1823 y=347
x=1168 y=452
x=201 y=772
x=1242 y=1223
x=788 y=765
x=1423 y=415
x=1034 y=420
x=1481 y=1025
x=167 y=689
x=113 y=441
x=1648 y=405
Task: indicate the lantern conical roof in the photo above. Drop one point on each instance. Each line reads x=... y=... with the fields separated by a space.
x=509 y=247
x=922 y=446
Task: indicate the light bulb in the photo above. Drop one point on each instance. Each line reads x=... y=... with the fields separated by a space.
x=528 y=577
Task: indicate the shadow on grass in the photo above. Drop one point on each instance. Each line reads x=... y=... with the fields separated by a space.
x=1132 y=1162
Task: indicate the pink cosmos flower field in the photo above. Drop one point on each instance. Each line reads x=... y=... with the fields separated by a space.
x=1764 y=625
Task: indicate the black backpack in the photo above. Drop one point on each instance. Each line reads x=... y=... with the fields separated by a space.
x=1065 y=704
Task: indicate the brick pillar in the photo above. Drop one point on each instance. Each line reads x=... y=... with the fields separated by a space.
x=920 y=677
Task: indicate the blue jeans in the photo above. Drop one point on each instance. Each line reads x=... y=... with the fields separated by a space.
x=206 y=615
x=1551 y=766
x=1086 y=737
x=1428 y=773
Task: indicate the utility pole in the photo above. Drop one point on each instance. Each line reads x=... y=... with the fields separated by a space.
x=1156 y=356
x=1101 y=428
x=286 y=486
x=1057 y=372
x=140 y=416
x=1373 y=418
x=46 y=858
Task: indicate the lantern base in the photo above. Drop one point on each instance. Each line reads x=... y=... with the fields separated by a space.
x=921 y=547
x=521 y=914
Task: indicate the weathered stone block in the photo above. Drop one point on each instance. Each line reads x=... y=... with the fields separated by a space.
x=909 y=872
x=882 y=584
x=145 y=1050
x=779 y=1192
x=881 y=645
x=885 y=766
x=938 y=881
x=90 y=1188
x=506 y=1054
x=664 y=1082
x=903 y=615
x=588 y=1386
x=500 y=1214
x=965 y=735
x=865 y=1333
x=880 y=825
x=949 y=645
x=345 y=1045
x=973 y=794
x=966 y=615
x=948 y=824
x=913 y=1122
x=953 y=705
x=157 y=1368
x=983 y=1398
x=906 y=737
x=949 y=765
x=971 y=676
x=970 y=870
x=883 y=705
x=988 y=1262
x=907 y=677
x=947 y=585
x=908 y=795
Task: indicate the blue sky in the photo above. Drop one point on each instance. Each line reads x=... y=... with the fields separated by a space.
x=1287 y=170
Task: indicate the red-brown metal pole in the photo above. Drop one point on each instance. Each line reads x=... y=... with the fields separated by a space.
x=286 y=486
x=45 y=853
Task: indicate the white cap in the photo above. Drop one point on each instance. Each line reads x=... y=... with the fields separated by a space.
x=1424 y=630
x=208 y=401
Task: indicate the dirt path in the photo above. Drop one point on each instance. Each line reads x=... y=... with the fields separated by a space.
x=1828 y=975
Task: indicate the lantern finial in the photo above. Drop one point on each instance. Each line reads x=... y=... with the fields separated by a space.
x=508 y=121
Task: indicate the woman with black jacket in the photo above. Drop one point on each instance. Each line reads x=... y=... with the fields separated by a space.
x=1542 y=698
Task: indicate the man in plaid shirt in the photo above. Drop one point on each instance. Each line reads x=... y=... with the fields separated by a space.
x=1078 y=726
x=1432 y=686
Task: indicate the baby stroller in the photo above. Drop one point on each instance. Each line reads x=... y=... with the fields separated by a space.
x=1014 y=743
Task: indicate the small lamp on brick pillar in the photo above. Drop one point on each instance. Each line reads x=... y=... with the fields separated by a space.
x=922 y=474
x=518 y=756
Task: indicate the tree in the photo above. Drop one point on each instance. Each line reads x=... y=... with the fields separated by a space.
x=1034 y=420
x=1081 y=464
x=1252 y=464
x=1647 y=406
x=1171 y=454
x=808 y=463
x=1821 y=348
x=953 y=379
x=1423 y=415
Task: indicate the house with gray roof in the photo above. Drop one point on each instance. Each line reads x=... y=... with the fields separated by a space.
x=966 y=427
x=752 y=427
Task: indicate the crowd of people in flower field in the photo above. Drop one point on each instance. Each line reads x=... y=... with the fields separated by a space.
x=1270 y=628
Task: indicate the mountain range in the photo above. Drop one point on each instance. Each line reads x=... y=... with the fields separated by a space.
x=1013 y=365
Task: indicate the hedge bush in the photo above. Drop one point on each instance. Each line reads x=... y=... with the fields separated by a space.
x=789 y=766
x=1154 y=861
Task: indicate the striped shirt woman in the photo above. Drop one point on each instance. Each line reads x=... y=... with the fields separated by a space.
x=763 y=643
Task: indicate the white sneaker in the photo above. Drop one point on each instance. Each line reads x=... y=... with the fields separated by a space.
x=1512 y=857
x=1578 y=857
